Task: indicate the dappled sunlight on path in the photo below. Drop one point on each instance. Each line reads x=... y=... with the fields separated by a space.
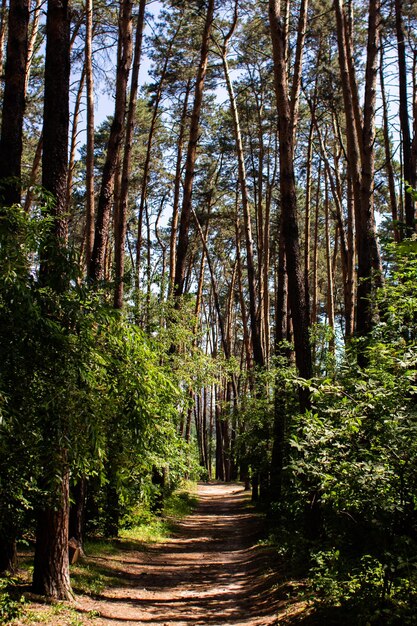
x=209 y=573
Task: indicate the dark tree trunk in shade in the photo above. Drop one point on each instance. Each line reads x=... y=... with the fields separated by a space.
x=56 y=111
x=11 y=141
x=51 y=566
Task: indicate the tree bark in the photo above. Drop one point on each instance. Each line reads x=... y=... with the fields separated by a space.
x=183 y=237
x=258 y=353
x=32 y=41
x=330 y=292
x=388 y=156
x=299 y=305
x=74 y=135
x=51 y=566
x=89 y=161
x=11 y=140
x=77 y=511
x=360 y=151
x=177 y=189
x=97 y=262
x=408 y=173
x=3 y=13
x=120 y=226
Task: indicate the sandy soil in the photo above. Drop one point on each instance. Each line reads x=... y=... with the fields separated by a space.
x=209 y=573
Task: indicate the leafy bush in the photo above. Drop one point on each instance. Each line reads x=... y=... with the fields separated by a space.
x=10 y=608
x=351 y=477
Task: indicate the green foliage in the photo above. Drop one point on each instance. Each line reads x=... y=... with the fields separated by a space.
x=350 y=484
x=80 y=387
x=10 y=607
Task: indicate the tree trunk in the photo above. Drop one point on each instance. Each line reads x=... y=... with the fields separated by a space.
x=89 y=161
x=258 y=354
x=3 y=28
x=74 y=136
x=307 y=243
x=120 y=226
x=298 y=302
x=97 y=262
x=8 y=551
x=183 y=237
x=147 y=165
x=11 y=140
x=51 y=566
x=408 y=174
x=32 y=41
x=360 y=151
x=177 y=189
x=388 y=156
x=55 y=128
x=330 y=294
x=34 y=173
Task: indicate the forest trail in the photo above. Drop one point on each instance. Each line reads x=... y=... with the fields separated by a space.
x=209 y=573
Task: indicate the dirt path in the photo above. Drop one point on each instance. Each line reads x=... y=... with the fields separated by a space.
x=209 y=573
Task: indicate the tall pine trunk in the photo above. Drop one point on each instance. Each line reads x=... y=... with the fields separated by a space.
x=11 y=140
x=121 y=214
x=98 y=258
x=51 y=568
x=296 y=286
x=183 y=236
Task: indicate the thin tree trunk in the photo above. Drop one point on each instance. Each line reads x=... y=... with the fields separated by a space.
x=307 y=212
x=183 y=238
x=97 y=262
x=120 y=225
x=163 y=247
x=89 y=163
x=408 y=174
x=177 y=190
x=34 y=174
x=246 y=337
x=3 y=28
x=146 y=167
x=32 y=41
x=76 y=515
x=258 y=355
x=298 y=63
x=314 y=303
x=330 y=294
x=388 y=156
x=74 y=135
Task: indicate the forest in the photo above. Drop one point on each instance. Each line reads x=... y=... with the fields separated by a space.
x=208 y=271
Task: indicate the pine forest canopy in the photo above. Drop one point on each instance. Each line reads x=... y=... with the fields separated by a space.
x=217 y=279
